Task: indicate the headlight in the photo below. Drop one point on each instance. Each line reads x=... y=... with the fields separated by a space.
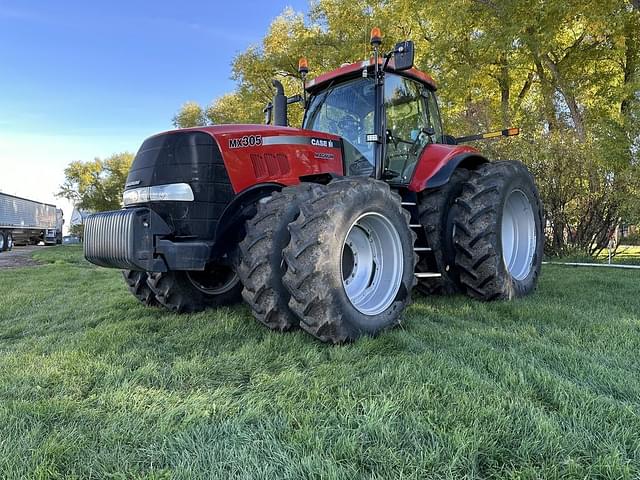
x=175 y=192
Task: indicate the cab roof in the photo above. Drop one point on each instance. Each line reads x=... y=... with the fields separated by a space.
x=353 y=70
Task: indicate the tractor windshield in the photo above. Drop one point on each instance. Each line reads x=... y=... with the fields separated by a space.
x=347 y=109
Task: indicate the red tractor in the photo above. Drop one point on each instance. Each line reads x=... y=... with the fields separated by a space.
x=330 y=226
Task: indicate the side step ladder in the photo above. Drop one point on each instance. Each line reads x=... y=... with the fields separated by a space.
x=421 y=247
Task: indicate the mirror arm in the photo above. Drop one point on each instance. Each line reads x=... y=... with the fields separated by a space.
x=268 y=111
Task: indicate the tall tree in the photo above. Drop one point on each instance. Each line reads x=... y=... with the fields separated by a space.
x=566 y=71
x=97 y=185
x=190 y=115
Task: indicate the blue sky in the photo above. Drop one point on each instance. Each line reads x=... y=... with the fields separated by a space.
x=82 y=79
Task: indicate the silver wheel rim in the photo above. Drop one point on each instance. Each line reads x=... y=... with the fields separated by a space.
x=518 y=235
x=9 y=242
x=371 y=263
x=206 y=286
x=1 y=242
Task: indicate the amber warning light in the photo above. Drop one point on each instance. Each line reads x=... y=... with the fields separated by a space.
x=376 y=36
x=303 y=66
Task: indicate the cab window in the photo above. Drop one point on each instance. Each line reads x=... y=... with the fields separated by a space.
x=347 y=110
x=411 y=115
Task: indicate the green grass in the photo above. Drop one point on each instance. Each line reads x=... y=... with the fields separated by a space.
x=625 y=255
x=93 y=385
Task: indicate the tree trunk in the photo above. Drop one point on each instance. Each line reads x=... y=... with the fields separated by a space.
x=547 y=95
x=632 y=58
x=568 y=96
x=505 y=84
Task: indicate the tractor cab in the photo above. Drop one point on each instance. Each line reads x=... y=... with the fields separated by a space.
x=384 y=109
x=346 y=106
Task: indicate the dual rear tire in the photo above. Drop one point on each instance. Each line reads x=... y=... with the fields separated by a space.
x=485 y=229
x=498 y=235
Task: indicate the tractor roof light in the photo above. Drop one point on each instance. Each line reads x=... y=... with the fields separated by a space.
x=303 y=66
x=376 y=37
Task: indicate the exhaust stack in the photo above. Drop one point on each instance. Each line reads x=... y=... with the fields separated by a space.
x=279 y=105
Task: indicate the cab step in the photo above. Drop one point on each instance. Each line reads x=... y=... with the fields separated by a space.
x=428 y=275
x=421 y=249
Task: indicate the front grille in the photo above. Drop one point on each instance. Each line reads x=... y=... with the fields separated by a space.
x=191 y=157
x=109 y=239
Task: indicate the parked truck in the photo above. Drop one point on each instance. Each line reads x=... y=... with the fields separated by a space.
x=27 y=222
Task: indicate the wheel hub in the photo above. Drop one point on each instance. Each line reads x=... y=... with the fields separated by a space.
x=215 y=281
x=518 y=235
x=372 y=263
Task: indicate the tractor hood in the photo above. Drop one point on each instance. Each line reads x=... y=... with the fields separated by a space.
x=251 y=154
x=218 y=163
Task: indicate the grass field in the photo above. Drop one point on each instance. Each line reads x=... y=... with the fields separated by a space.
x=625 y=255
x=93 y=385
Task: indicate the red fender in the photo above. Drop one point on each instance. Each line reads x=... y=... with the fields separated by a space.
x=435 y=158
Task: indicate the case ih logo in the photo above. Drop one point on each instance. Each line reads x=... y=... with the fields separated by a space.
x=321 y=142
x=246 y=141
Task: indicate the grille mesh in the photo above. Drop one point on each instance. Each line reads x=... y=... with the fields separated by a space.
x=108 y=239
x=270 y=165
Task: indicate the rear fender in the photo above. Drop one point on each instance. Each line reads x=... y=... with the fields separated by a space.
x=438 y=162
x=470 y=161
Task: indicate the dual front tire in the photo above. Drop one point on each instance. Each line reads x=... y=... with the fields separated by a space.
x=185 y=292
x=338 y=260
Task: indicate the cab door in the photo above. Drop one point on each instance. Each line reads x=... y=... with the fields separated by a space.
x=412 y=122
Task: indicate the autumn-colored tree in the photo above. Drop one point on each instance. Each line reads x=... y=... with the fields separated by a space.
x=96 y=185
x=190 y=115
x=566 y=71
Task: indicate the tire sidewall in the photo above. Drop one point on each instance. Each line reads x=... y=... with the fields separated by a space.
x=448 y=216
x=356 y=321
x=525 y=184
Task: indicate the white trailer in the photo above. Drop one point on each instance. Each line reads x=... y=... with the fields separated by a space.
x=24 y=222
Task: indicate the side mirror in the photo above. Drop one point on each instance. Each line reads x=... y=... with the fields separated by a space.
x=403 y=56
